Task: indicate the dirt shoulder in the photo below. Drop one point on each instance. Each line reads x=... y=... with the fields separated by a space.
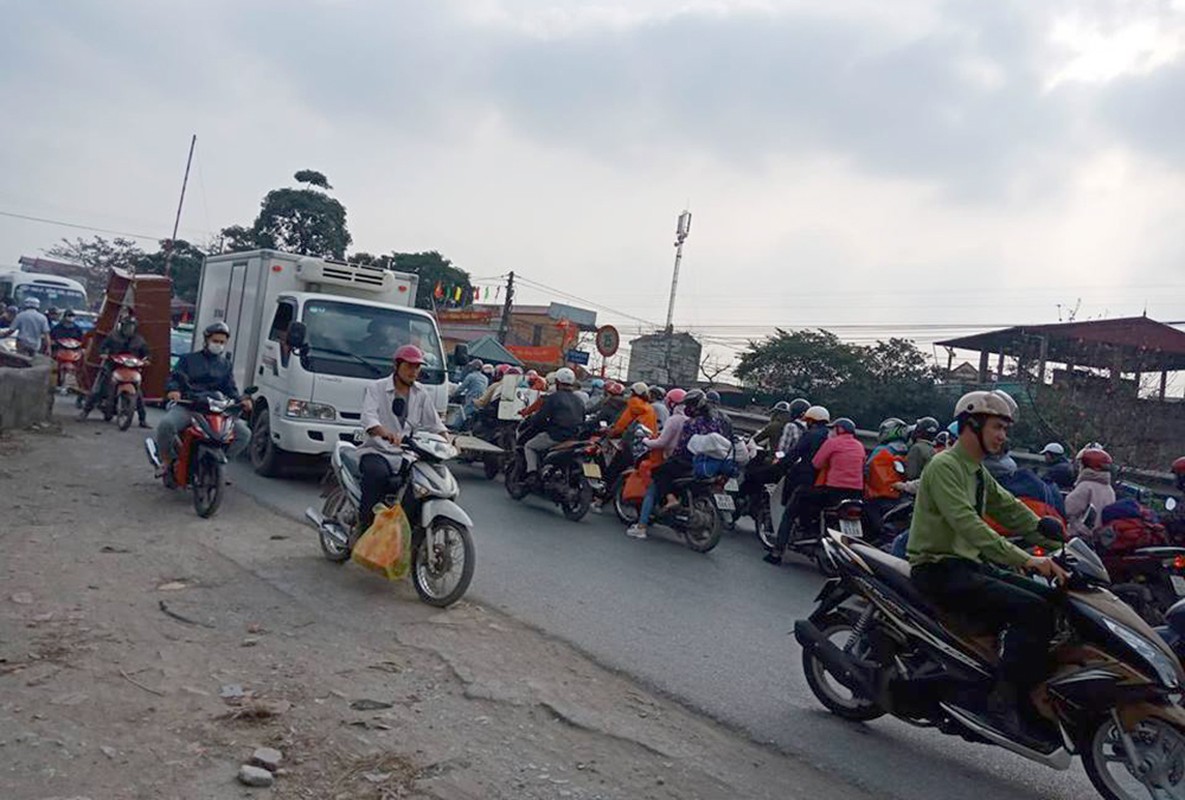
x=146 y=653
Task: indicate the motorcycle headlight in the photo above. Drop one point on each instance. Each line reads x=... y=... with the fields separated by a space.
x=303 y=409
x=1152 y=655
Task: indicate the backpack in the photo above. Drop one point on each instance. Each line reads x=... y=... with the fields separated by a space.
x=882 y=474
x=1129 y=534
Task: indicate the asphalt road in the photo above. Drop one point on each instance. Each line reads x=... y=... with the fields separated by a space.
x=712 y=631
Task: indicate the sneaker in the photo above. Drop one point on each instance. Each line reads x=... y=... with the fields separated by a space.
x=772 y=558
x=597 y=506
x=144 y=424
x=635 y=532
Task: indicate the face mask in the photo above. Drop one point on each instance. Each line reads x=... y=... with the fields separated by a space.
x=215 y=348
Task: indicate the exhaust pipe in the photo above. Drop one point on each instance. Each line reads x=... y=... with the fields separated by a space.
x=839 y=664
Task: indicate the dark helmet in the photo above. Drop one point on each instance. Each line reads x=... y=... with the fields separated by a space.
x=694 y=402
x=844 y=424
x=781 y=405
x=798 y=407
x=713 y=396
x=216 y=327
x=892 y=430
x=657 y=393
x=926 y=428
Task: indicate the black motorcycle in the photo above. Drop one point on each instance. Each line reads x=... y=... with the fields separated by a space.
x=874 y=645
x=564 y=476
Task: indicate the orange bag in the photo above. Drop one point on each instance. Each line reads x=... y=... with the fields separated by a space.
x=386 y=545
x=638 y=480
x=882 y=475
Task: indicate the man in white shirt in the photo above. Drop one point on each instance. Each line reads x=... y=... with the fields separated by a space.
x=32 y=329
x=392 y=407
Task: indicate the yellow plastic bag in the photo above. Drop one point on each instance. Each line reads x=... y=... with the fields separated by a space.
x=386 y=545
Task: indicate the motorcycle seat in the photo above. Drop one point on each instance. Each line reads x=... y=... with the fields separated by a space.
x=895 y=572
x=352 y=462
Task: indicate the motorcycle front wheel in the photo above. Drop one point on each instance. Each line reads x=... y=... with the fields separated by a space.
x=125 y=410
x=442 y=563
x=1159 y=750
x=207 y=487
x=337 y=508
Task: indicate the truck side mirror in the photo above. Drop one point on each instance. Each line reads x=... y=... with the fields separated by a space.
x=297 y=336
x=461 y=354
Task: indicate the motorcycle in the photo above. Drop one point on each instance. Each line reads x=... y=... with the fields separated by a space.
x=201 y=450
x=847 y=516
x=122 y=396
x=564 y=476
x=442 y=545
x=874 y=646
x=67 y=356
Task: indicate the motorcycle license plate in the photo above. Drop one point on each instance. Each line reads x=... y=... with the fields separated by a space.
x=851 y=527
x=731 y=485
x=1178 y=585
x=724 y=502
x=591 y=470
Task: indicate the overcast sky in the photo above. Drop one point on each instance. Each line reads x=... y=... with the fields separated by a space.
x=847 y=163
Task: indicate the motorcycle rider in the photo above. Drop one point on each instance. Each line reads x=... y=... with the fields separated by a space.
x=800 y=474
x=956 y=557
x=559 y=418
x=392 y=407
x=1179 y=473
x=713 y=398
x=839 y=463
x=1058 y=470
x=206 y=371
x=1092 y=488
x=32 y=328
x=779 y=415
x=922 y=449
x=611 y=405
x=66 y=329
x=661 y=413
x=473 y=386
x=124 y=339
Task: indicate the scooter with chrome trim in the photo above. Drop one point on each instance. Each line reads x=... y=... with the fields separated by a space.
x=442 y=545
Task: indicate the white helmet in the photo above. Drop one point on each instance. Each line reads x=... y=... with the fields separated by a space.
x=640 y=389
x=1053 y=449
x=995 y=403
x=31 y=302
x=565 y=376
x=817 y=414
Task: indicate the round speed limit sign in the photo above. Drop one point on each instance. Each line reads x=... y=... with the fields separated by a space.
x=608 y=340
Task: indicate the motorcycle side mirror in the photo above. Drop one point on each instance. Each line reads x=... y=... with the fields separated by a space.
x=898 y=467
x=250 y=390
x=298 y=336
x=1170 y=504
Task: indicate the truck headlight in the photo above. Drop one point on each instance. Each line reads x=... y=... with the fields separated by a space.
x=303 y=409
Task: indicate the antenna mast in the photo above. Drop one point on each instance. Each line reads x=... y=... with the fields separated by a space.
x=682 y=229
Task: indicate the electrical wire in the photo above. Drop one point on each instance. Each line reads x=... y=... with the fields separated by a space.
x=64 y=224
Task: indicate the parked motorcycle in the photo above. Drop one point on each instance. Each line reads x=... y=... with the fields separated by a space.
x=122 y=395
x=875 y=646
x=564 y=476
x=67 y=356
x=442 y=545
x=201 y=450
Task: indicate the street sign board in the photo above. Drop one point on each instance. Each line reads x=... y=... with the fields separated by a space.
x=608 y=340
x=576 y=357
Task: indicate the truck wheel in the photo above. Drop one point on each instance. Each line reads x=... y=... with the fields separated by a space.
x=266 y=457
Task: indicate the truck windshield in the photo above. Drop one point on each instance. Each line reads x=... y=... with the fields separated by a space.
x=51 y=296
x=368 y=333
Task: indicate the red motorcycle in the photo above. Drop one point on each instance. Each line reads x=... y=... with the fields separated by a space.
x=122 y=396
x=67 y=355
x=201 y=450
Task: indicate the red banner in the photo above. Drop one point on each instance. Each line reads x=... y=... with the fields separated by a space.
x=464 y=316
x=537 y=355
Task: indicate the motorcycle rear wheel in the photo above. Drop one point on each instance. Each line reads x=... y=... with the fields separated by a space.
x=207 y=488
x=337 y=507
x=125 y=411
x=626 y=512
x=491 y=465
x=1160 y=747
x=576 y=508
x=703 y=527
x=435 y=558
x=516 y=484
x=835 y=697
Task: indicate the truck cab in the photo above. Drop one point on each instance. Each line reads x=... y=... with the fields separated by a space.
x=349 y=320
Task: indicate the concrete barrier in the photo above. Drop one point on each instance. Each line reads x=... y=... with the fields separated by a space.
x=25 y=395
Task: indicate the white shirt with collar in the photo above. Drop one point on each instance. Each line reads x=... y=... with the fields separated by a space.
x=376 y=410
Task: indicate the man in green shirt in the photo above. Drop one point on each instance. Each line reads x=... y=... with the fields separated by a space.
x=955 y=556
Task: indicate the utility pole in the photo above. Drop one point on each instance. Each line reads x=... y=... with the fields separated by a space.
x=682 y=230
x=504 y=326
x=180 y=203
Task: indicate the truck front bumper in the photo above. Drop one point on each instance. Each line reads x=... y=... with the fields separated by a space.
x=310 y=436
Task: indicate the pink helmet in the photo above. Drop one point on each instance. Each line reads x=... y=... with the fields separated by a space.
x=514 y=371
x=614 y=388
x=501 y=370
x=674 y=397
x=409 y=353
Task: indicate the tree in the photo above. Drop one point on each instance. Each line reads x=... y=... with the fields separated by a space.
x=304 y=221
x=431 y=267
x=807 y=362
x=98 y=256
x=185 y=268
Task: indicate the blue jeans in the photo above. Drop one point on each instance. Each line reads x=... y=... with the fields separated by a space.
x=648 y=502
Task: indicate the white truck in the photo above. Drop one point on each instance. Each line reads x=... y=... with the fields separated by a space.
x=345 y=320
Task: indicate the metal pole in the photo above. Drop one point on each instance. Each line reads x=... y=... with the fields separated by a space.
x=504 y=325
x=674 y=286
x=180 y=204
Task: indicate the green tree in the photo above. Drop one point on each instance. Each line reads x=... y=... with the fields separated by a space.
x=304 y=221
x=809 y=362
x=185 y=268
x=97 y=257
x=431 y=267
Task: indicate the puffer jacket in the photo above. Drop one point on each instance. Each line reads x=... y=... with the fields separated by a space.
x=1092 y=489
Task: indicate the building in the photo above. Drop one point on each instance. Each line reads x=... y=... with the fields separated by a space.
x=542 y=337
x=666 y=359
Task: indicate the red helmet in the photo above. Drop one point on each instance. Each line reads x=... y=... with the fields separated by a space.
x=537 y=383
x=1095 y=458
x=409 y=353
x=514 y=371
x=614 y=388
x=501 y=370
x=674 y=397
x=1179 y=466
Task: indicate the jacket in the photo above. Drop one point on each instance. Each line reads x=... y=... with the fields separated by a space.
x=473 y=386
x=801 y=458
x=954 y=494
x=773 y=429
x=135 y=344
x=661 y=413
x=559 y=416
x=64 y=331
x=840 y=462
x=1093 y=489
x=672 y=432
x=1061 y=474
x=202 y=373
x=637 y=410
x=917 y=458
x=608 y=410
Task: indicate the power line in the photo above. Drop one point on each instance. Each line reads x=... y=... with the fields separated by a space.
x=79 y=227
x=544 y=287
